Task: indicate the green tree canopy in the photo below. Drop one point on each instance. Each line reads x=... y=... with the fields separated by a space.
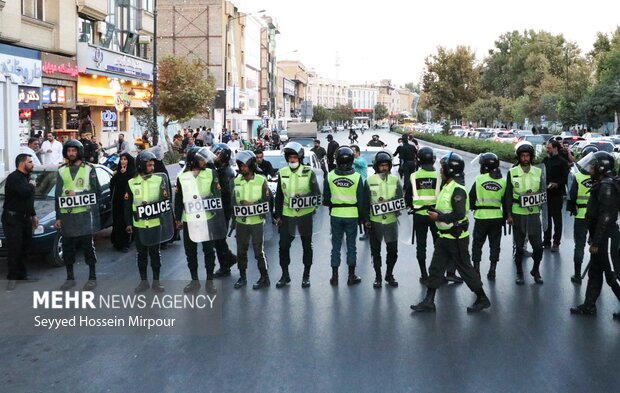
x=381 y=112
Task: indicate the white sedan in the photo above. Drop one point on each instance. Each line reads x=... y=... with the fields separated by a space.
x=276 y=158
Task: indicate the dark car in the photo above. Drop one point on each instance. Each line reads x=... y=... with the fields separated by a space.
x=48 y=242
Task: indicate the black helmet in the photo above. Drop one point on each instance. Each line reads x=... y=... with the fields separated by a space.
x=426 y=156
x=73 y=143
x=589 y=149
x=248 y=158
x=143 y=158
x=223 y=150
x=380 y=158
x=294 y=148
x=488 y=162
x=452 y=164
x=525 y=147
x=602 y=162
x=344 y=158
x=196 y=154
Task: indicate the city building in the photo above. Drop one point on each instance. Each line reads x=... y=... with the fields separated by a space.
x=327 y=92
x=295 y=81
x=363 y=98
x=268 y=85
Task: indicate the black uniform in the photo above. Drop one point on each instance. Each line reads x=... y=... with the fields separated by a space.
x=226 y=258
x=267 y=169
x=90 y=151
x=332 y=146
x=16 y=221
x=408 y=154
x=557 y=169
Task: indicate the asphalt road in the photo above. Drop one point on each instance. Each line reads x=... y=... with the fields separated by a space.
x=343 y=339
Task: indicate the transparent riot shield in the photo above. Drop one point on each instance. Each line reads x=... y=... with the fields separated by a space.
x=154 y=211
x=204 y=214
x=312 y=218
x=79 y=208
x=535 y=198
x=394 y=212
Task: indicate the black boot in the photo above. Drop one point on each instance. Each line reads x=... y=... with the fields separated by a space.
x=477 y=267
x=193 y=286
x=68 y=284
x=90 y=285
x=305 y=281
x=222 y=272
x=389 y=275
x=353 y=279
x=577 y=277
x=428 y=304
x=285 y=279
x=210 y=287
x=242 y=281
x=536 y=274
x=157 y=287
x=143 y=286
x=519 y=280
x=263 y=281
x=377 y=283
x=452 y=277
x=584 y=309
x=334 y=280
x=491 y=273
x=482 y=302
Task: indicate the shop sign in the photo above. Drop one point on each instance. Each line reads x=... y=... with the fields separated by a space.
x=27 y=69
x=121 y=100
x=53 y=95
x=108 y=118
x=29 y=97
x=95 y=59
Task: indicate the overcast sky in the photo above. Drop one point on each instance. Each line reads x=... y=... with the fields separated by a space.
x=389 y=39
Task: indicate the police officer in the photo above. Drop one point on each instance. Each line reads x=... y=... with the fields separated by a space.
x=343 y=193
x=487 y=195
x=295 y=180
x=383 y=187
x=195 y=184
x=225 y=175
x=525 y=179
x=450 y=216
x=19 y=218
x=425 y=185
x=250 y=189
x=147 y=187
x=576 y=204
x=601 y=213
x=77 y=224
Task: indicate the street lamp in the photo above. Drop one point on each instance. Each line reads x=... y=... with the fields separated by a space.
x=228 y=20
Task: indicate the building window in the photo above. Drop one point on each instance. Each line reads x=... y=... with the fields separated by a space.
x=34 y=9
x=123 y=17
x=147 y=5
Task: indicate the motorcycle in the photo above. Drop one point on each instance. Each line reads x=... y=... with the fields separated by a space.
x=109 y=160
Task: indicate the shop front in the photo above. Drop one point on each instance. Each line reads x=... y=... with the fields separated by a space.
x=110 y=85
x=20 y=95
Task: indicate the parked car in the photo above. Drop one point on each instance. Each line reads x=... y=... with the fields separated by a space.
x=578 y=146
x=592 y=135
x=47 y=241
x=368 y=154
x=459 y=133
x=615 y=140
x=365 y=127
x=572 y=140
x=503 y=137
x=326 y=129
x=283 y=135
x=484 y=135
x=533 y=139
x=276 y=158
x=340 y=128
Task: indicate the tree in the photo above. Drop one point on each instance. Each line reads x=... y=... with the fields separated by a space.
x=321 y=115
x=484 y=110
x=413 y=87
x=451 y=80
x=381 y=112
x=184 y=91
x=343 y=113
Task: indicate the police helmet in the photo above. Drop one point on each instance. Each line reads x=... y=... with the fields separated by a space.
x=426 y=156
x=525 y=147
x=488 y=162
x=73 y=143
x=223 y=150
x=197 y=154
x=603 y=163
x=452 y=165
x=380 y=158
x=344 y=157
x=142 y=159
x=588 y=149
x=246 y=157
x=294 y=148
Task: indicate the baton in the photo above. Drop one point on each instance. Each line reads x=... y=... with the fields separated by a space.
x=585 y=271
x=232 y=228
x=361 y=227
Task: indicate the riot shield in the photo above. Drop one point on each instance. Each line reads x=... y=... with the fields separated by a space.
x=533 y=199
x=204 y=214
x=389 y=232
x=155 y=211
x=311 y=222
x=79 y=208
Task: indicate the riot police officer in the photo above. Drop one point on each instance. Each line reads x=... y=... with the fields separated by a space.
x=523 y=201
x=225 y=175
x=487 y=195
x=601 y=214
x=251 y=201
x=383 y=188
x=297 y=185
x=576 y=204
x=450 y=216
x=77 y=212
x=199 y=205
x=148 y=209
x=343 y=193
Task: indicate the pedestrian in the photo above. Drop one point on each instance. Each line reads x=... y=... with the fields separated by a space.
x=344 y=195
x=523 y=200
x=51 y=150
x=200 y=214
x=78 y=222
x=250 y=190
x=191 y=143
x=234 y=143
x=31 y=149
x=275 y=140
x=225 y=176
x=151 y=226
x=125 y=171
x=376 y=142
x=209 y=138
x=381 y=188
x=296 y=181
x=332 y=146
x=263 y=165
x=359 y=163
x=225 y=136
x=602 y=214
x=486 y=196
x=450 y=216
x=121 y=145
x=90 y=149
x=408 y=155
x=320 y=153
x=557 y=170
x=19 y=218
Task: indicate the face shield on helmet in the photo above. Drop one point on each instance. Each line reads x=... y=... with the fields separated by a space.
x=382 y=157
x=294 y=149
x=247 y=158
x=596 y=163
x=205 y=156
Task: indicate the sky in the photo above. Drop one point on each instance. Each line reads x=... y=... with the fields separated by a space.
x=389 y=39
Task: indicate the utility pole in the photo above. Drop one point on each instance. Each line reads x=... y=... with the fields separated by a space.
x=155 y=91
